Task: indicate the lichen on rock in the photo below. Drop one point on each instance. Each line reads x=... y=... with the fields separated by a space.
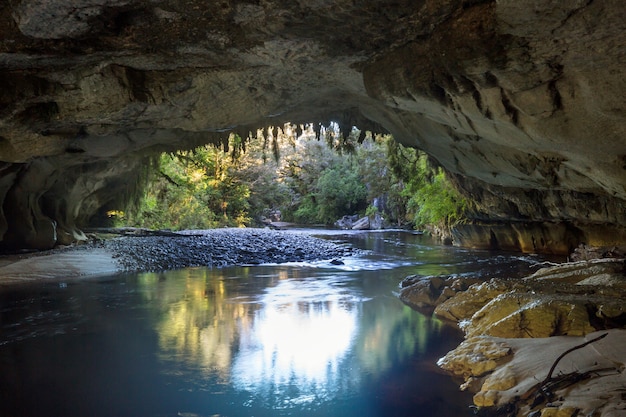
x=475 y=357
x=516 y=330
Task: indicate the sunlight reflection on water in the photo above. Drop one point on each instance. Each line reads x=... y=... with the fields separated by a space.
x=300 y=335
x=295 y=338
x=308 y=339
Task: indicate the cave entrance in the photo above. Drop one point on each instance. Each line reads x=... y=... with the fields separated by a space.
x=307 y=174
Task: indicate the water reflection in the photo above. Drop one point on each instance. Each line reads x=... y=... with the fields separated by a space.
x=300 y=340
x=286 y=339
x=300 y=334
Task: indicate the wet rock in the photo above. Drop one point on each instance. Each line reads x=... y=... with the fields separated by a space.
x=568 y=299
x=362 y=224
x=346 y=222
x=377 y=222
x=516 y=315
x=510 y=328
x=502 y=379
x=585 y=252
x=511 y=388
x=421 y=295
x=425 y=293
x=556 y=411
x=588 y=272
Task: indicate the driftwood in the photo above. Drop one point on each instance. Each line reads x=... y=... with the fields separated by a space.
x=568 y=351
x=544 y=390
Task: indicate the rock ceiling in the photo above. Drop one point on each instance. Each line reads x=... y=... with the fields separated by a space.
x=522 y=101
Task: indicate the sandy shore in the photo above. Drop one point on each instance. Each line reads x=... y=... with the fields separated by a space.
x=69 y=264
x=154 y=252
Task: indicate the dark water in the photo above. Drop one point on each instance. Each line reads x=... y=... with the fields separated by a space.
x=287 y=340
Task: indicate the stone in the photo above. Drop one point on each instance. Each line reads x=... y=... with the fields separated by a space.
x=518 y=315
x=475 y=357
x=521 y=102
x=346 y=222
x=584 y=272
x=504 y=387
x=376 y=221
x=420 y=293
x=464 y=304
x=362 y=224
x=500 y=380
x=426 y=293
x=559 y=412
x=485 y=398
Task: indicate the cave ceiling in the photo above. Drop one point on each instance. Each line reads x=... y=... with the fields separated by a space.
x=521 y=101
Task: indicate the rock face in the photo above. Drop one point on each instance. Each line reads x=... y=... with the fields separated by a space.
x=516 y=331
x=571 y=299
x=521 y=101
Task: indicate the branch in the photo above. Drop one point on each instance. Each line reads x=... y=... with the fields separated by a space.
x=169 y=179
x=562 y=355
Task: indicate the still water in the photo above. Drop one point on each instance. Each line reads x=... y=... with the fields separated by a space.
x=311 y=339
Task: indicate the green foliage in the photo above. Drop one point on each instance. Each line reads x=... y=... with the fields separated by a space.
x=383 y=185
x=306 y=211
x=324 y=179
x=340 y=191
x=308 y=180
x=436 y=202
x=193 y=190
x=371 y=211
x=431 y=198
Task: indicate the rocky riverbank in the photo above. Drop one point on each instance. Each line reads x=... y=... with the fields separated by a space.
x=221 y=247
x=516 y=355
x=108 y=253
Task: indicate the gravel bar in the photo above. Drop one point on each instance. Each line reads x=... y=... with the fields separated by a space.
x=221 y=247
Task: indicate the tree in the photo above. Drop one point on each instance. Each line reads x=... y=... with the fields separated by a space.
x=307 y=179
x=432 y=200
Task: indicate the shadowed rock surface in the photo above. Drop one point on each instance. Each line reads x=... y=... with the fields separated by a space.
x=521 y=101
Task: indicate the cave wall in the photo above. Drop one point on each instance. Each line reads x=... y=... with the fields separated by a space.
x=521 y=101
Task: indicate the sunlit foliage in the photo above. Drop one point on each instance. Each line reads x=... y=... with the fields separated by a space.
x=431 y=198
x=308 y=174
x=194 y=190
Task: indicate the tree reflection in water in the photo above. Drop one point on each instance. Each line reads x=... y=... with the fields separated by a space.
x=302 y=331
x=288 y=336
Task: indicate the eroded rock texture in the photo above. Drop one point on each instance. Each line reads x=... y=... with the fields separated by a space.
x=522 y=101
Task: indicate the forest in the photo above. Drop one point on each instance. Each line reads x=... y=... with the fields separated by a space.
x=308 y=175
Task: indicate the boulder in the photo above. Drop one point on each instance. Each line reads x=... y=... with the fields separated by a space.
x=475 y=357
x=518 y=315
x=465 y=303
x=362 y=224
x=346 y=222
x=426 y=293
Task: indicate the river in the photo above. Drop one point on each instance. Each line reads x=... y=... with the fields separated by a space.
x=302 y=339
